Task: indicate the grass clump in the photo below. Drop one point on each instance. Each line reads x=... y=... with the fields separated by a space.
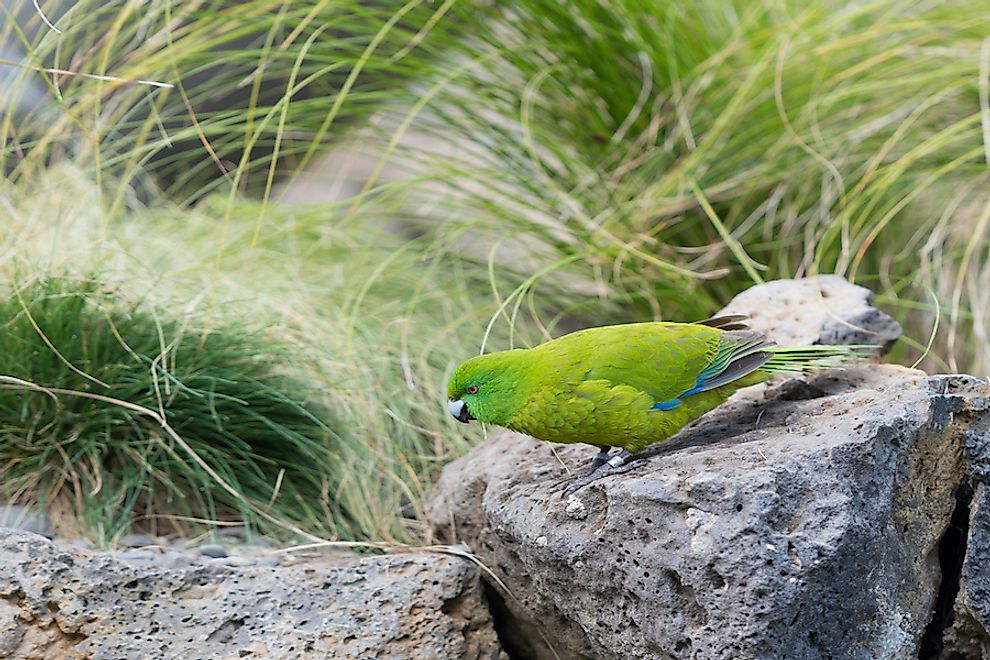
x=384 y=319
x=86 y=384
x=200 y=95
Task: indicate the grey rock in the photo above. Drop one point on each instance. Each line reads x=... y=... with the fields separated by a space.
x=174 y=559
x=75 y=604
x=25 y=518
x=801 y=519
x=772 y=528
x=213 y=550
x=976 y=566
x=825 y=309
x=11 y=630
x=968 y=637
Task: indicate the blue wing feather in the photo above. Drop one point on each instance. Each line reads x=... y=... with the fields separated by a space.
x=739 y=354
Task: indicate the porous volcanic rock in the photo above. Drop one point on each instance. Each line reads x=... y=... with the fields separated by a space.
x=61 y=602
x=825 y=309
x=801 y=519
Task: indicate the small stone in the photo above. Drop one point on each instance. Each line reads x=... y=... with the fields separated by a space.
x=136 y=540
x=139 y=555
x=236 y=562
x=270 y=560
x=575 y=508
x=174 y=559
x=213 y=550
x=235 y=534
x=541 y=541
x=25 y=519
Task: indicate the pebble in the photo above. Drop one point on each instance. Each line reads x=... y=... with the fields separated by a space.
x=237 y=562
x=140 y=555
x=270 y=560
x=136 y=540
x=25 y=519
x=173 y=559
x=213 y=550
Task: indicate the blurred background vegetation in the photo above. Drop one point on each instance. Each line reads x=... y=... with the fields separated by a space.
x=245 y=243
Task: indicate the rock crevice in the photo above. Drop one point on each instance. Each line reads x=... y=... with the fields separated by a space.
x=951 y=555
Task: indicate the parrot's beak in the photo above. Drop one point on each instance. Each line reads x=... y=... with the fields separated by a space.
x=459 y=410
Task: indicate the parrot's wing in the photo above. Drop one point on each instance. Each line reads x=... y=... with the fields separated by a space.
x=683 y=362
x=739 y=354
x=663 y=360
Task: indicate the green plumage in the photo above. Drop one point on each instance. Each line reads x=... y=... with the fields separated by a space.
x=625 y=385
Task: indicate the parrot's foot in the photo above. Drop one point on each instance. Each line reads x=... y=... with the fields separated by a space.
x=621 y=462
x=600 y=459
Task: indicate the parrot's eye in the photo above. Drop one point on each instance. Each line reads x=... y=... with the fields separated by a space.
x=473 y=389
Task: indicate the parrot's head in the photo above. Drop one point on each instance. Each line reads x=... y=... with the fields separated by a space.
x=488 y=388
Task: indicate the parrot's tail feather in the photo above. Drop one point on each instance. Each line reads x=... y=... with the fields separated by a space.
x=800 y=359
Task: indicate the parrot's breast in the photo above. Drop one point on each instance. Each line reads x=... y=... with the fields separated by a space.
x=604 y=415
x=596 y=413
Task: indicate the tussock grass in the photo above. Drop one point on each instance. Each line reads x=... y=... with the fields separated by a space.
x=201 y=95
x=79 y=365
x=361 y=322
x=384 y=318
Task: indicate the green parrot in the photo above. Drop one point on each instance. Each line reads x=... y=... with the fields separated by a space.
x=625 y=386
